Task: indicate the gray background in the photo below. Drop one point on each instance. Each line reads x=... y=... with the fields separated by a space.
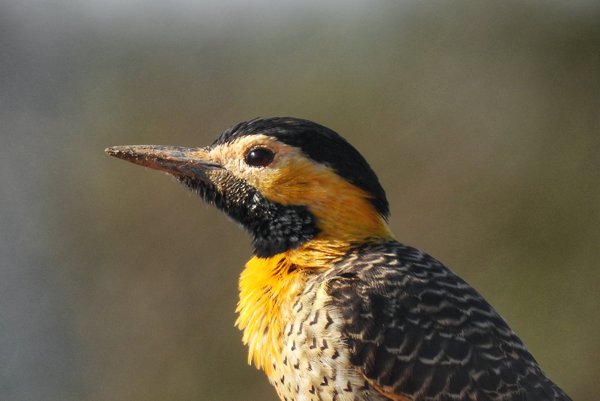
x=481 y=119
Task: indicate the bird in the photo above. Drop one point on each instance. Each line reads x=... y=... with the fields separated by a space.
x=332 y=307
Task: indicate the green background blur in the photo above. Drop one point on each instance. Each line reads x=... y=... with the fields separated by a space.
x=481 y=119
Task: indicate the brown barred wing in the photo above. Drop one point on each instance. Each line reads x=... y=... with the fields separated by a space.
x=418 y=331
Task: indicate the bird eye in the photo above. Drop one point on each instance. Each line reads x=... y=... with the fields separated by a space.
x=259 y=157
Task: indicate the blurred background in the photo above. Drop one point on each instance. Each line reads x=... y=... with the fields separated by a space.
x=481 y=119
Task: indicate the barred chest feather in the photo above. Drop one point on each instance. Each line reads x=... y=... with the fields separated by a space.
x=314 y=361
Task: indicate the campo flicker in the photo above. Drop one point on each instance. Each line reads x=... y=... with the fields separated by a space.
x=332 y=307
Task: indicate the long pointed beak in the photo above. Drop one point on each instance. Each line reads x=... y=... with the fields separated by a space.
x=175 y=160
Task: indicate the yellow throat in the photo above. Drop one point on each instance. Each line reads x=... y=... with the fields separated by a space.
x=269 y=286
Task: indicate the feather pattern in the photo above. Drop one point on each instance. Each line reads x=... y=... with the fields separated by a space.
x=414 y=329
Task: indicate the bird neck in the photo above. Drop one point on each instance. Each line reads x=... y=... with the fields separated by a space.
x=266 y=287
x=269 y=286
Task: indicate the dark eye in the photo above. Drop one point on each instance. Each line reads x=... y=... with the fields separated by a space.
x=259 y=157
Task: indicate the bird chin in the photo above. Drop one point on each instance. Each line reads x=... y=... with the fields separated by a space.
x=274 y=227
x=204 y=188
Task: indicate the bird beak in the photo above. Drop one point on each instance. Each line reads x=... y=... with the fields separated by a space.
x=175 y=160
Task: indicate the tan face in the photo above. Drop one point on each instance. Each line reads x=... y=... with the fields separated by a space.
x=291 y=178
x=233 y=156
x=284 y=198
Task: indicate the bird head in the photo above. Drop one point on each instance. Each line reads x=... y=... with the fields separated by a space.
x=287 y=181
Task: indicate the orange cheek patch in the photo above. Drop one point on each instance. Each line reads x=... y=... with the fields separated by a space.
x=343 y=211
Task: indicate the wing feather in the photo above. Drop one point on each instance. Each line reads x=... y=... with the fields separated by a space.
x=417 y=331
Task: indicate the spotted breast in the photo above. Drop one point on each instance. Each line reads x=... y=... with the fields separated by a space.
x=314 y=364
x=389 y=322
